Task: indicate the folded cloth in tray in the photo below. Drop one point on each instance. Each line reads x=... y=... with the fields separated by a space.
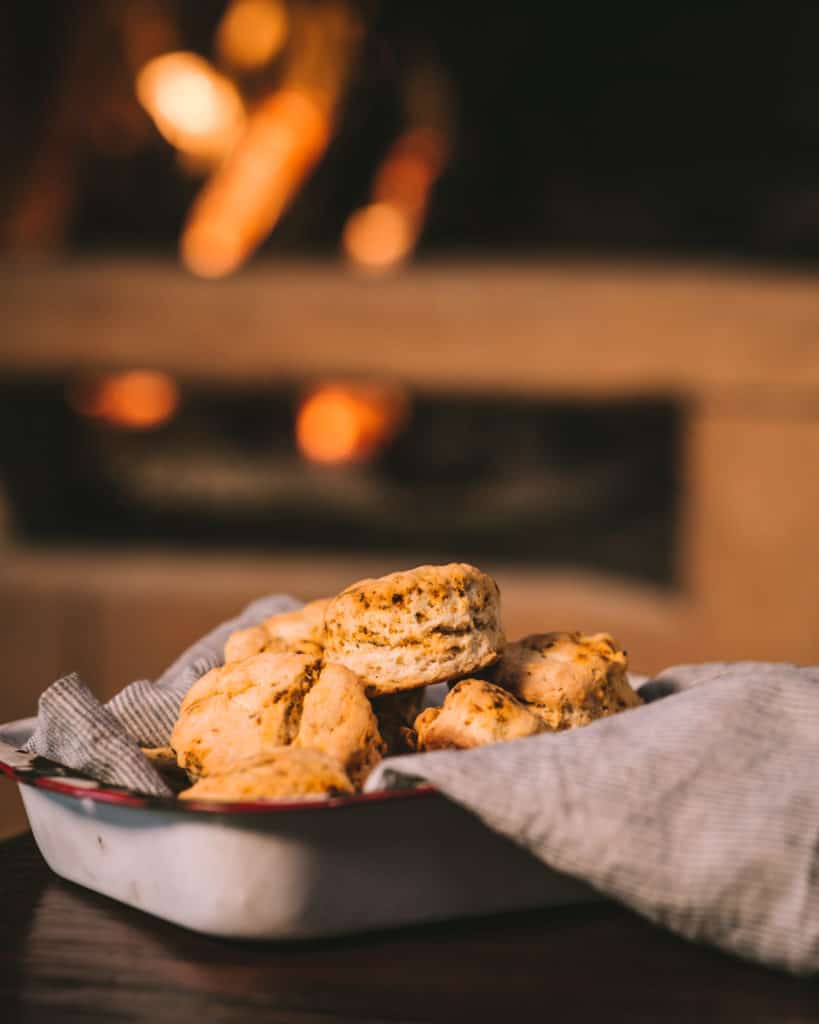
x=700 y=810
x=103 y=740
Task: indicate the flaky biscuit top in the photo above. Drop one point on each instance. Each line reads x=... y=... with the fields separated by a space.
x=571 y=678
x=418 y=626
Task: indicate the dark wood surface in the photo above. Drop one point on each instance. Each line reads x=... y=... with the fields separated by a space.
x=69 y=955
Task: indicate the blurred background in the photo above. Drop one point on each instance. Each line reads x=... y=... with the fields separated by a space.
x=299 y=291
x=492 y=129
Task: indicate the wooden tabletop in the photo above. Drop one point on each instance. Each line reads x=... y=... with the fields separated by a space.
x=69 y=955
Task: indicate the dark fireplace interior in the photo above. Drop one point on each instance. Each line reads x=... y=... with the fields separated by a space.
x=549 y=482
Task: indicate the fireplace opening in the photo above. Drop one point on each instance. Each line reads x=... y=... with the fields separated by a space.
x=139 y=458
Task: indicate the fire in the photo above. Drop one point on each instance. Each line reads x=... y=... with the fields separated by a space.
x=136 y=399
x=340 y=423
x=382 y=235
x=251 y=33
x=410 y=169
x=197 y=109
x=284 y=138
x=378 y=236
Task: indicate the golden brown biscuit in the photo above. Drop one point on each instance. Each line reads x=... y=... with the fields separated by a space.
x=285 y=773
x=244 y=643
x=288 y=631
x=411 y=628
x=475 y=713
x=314 y=650
x=569 y=679
x=306 y=623
x=247 y=642
x=241 y=710
x=338 y=720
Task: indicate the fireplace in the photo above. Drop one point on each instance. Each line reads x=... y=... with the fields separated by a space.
x=624 y=447
x=548 y=483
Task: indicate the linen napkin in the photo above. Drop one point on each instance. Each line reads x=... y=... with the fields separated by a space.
x=102 y=740
x=699 y=810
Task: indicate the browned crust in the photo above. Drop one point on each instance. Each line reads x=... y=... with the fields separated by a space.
x=419 y=626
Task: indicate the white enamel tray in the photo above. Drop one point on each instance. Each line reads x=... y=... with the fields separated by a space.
x=279 y=870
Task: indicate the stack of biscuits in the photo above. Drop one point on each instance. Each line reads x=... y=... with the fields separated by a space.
x=308 y=702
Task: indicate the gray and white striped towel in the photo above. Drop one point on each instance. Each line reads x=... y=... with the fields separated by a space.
x=103 y=740
x=699 y=810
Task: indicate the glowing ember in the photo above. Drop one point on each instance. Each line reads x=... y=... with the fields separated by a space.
x=340 y=423
x=410 y=169
x=251 y=33
x=382 y=235
x=197 y=109
x=378 y=237
x=285 y=136
x=137 y=399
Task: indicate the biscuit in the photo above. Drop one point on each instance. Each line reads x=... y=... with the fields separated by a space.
x=284 y=773
x=425 y=625
x=241 y=710
x=306 y=623
x=568 y=679
x=244 y=643
x=338 y=720
x=474 y=713
x=286 y=631
x=247 y=642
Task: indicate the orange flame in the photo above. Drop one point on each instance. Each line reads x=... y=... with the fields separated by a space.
x=136 y=399
x=382 y=235
x=340 y=423
x=378 y=236
x=285 y=136
x=251 y=33
x=197 y=109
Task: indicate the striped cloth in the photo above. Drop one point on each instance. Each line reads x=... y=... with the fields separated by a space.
x=103 y=740
x=699 y=810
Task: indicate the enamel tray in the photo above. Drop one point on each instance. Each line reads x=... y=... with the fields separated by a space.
x=279 y=870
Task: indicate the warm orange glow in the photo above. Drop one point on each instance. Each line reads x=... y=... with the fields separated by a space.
x=348 y=422
x=251 y=33
x=197 y=109
x=138 y=399
x=378 y=237
x=244 y=199
x=382 y=235
x=410 y=169
x=405 y=180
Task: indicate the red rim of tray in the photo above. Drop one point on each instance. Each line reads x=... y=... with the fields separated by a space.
x=90 y=789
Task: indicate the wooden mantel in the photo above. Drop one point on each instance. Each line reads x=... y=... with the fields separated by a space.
x=522 y=327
